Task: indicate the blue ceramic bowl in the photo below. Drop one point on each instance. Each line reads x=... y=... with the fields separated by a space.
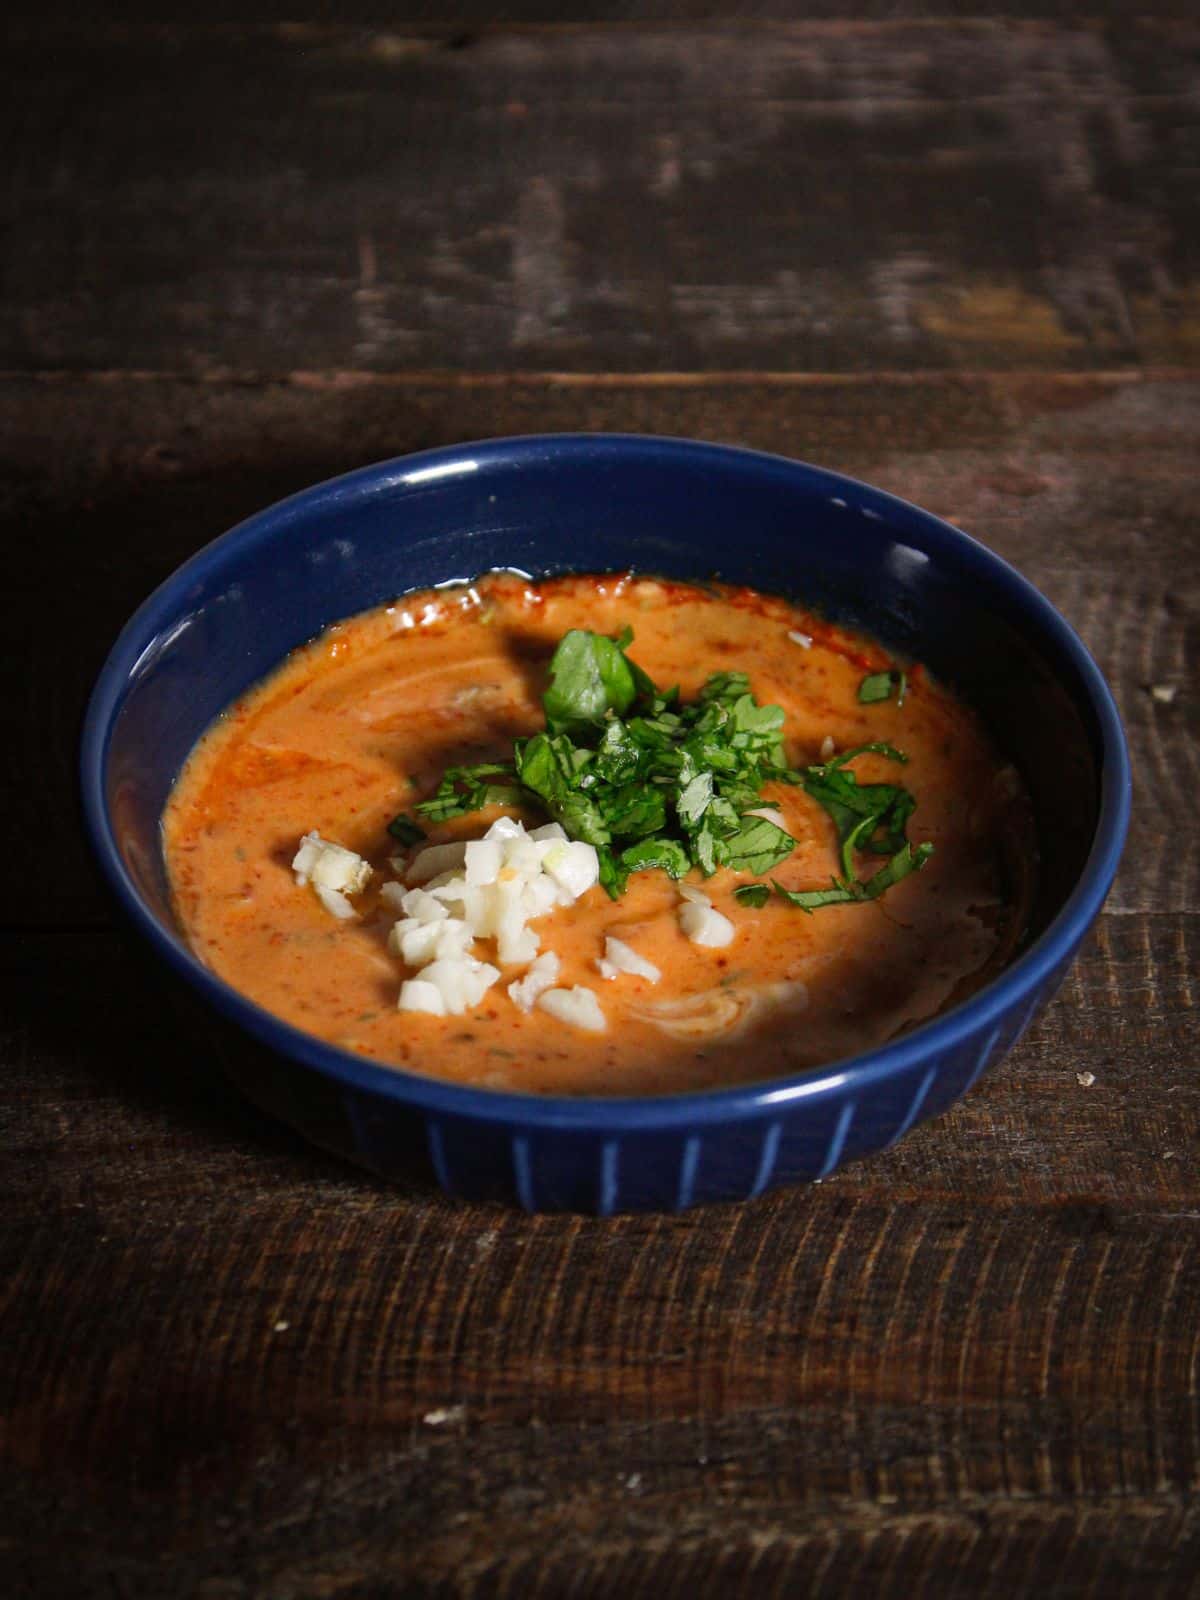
x=596 y=503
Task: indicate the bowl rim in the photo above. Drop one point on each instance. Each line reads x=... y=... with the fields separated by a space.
x=1024 y=978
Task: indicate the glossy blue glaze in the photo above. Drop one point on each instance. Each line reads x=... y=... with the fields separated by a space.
x=594 y=503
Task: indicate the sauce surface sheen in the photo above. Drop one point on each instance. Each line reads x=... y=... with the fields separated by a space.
x=359 y=725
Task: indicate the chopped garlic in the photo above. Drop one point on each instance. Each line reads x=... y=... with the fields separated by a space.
x=422 y=906
x=578 y=1006
x=523 y=857
x=463 y=982
x=619 y=957
x=417 y=943
x=392 y=896
x=705 y=926
x=769 y=813
x=418 y=995
x=574 y=866
x=541 y=894
x=335 y=902
x=542 y=975
x=434 y=860
x=828 y=748
x=804 y=640
x=489 y=888
x=484 y=858
x=447 y=886
x=329 y=866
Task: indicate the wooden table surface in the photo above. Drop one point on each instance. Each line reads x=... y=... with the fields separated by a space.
x=959 y=259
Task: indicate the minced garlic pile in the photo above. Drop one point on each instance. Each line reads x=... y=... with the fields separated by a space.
x=491 y=889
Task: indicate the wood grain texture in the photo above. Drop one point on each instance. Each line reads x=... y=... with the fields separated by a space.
x=822 y=196
x=242 y=1368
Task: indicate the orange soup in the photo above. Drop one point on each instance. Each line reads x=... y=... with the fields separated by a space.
x=359 y=726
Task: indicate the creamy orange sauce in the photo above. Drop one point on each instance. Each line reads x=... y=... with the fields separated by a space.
x=359 y=725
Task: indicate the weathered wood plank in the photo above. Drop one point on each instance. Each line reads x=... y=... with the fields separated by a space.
x=825 y=195
x=588 y=1526
x=1086 y=484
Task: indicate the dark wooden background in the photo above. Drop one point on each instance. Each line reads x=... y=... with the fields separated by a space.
x=960 y=258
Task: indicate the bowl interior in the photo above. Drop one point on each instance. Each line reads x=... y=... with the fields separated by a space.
x=594 y=504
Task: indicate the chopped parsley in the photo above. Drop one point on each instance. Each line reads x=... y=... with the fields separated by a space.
x=650 y=781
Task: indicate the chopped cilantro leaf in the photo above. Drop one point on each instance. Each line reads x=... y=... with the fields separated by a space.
x=405 y=830
x=466 y=789
x=589 y=677
x=668 y=854
x=618 y=755
x=881 y=686
x=752 y=894
x=905 y=860
x=694 y=800
x=724 y=686
x=548 y=767
x=613 y=876
x=758 y=845
x=811 y=899
x=634 y=810
x=876 y=748
x=653 y=782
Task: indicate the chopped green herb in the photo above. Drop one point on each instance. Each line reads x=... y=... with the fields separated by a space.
x=905 y=860
x=877 y=748
x=590 y=676
x=405 y=830
x=869 y=817
x=651 y=782
x=881 y=685
x=466 y=789
x=757 y=846
x=668 y=854
x=695 y=800
x=752 y=894
x=551 y=768
x=811 y=899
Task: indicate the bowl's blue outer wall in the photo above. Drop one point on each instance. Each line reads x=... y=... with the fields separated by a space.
x=599 y=503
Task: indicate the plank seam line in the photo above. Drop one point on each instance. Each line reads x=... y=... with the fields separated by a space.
x=731 y=377
x=35 y=29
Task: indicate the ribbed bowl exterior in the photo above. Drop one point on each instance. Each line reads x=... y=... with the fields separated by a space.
x=612 y=1171
x=606 y=503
